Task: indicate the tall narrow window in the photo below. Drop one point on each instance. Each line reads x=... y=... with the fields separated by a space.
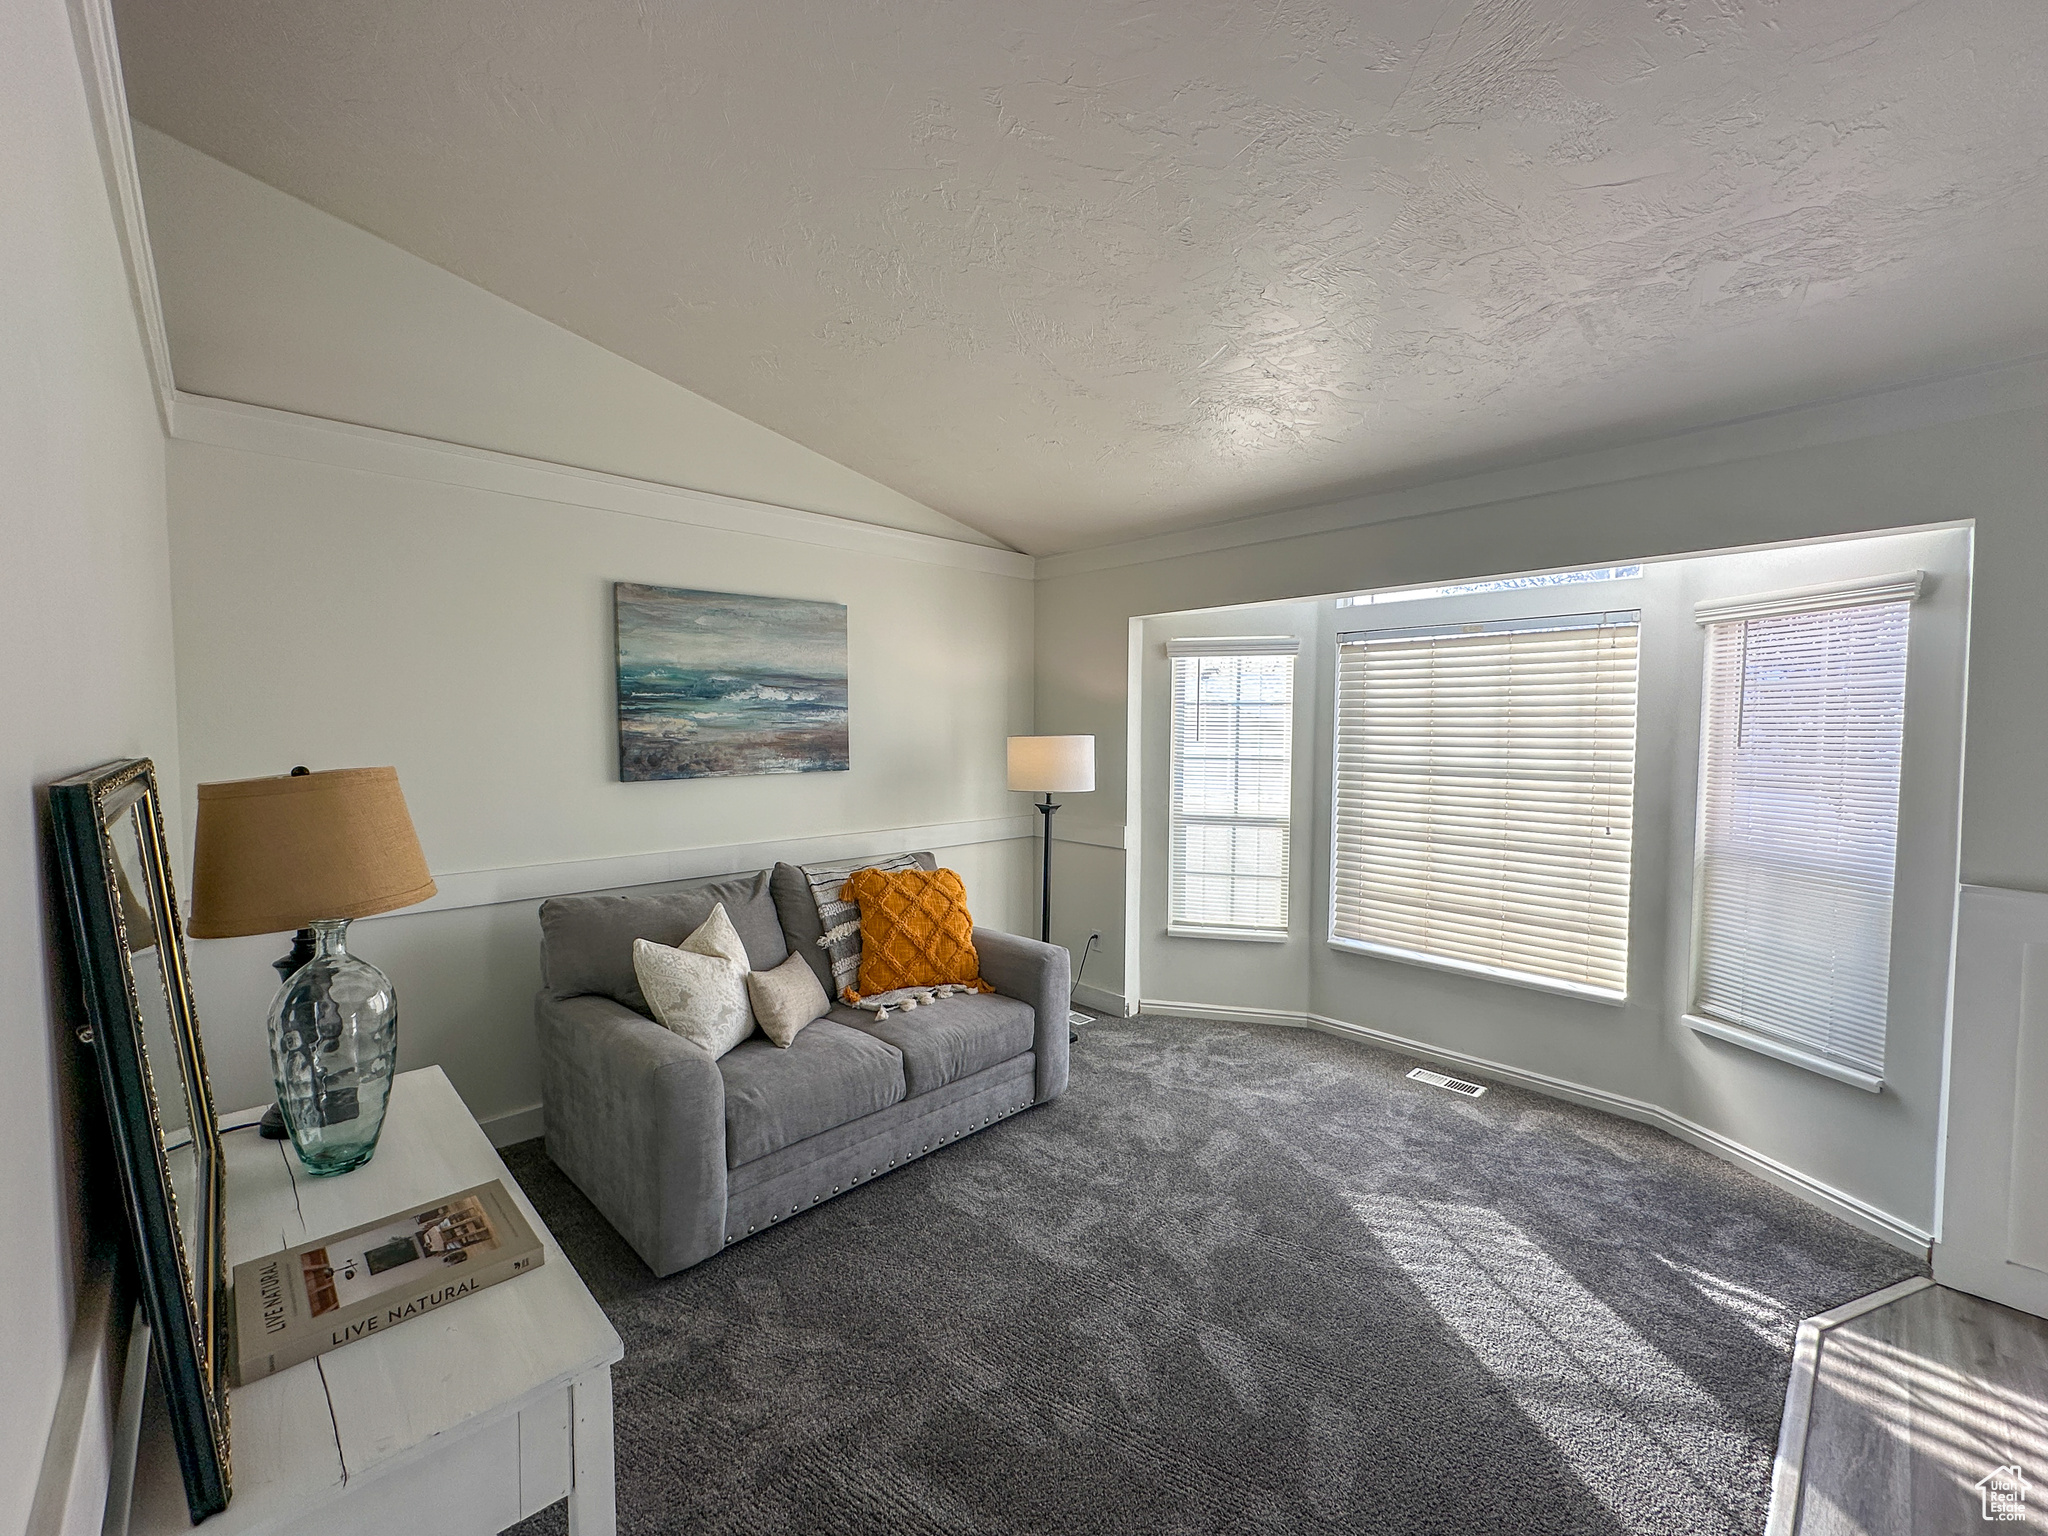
x=1484 y=797
x=1233 y=770
x=1802 y=724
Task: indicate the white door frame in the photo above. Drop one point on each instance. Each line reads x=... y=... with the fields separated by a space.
x=1991 y=1223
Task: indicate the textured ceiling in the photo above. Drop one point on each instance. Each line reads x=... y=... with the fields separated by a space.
x=1076 y=270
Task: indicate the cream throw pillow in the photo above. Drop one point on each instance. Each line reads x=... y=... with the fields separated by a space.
x=699 y=989
x=786 y=999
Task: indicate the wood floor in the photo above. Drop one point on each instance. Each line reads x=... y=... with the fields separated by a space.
x=1901 y=1406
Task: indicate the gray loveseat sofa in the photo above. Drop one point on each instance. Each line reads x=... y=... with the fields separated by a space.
x=685 y=1155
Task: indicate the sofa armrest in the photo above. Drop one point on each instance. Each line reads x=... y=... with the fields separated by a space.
x=1037 y=974
x=635 y=1115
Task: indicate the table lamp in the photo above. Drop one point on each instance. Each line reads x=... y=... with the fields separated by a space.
x=1051 y=764
x=312 y=852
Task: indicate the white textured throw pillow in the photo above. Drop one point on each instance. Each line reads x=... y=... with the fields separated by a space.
x=699 y=989
x=786 y=999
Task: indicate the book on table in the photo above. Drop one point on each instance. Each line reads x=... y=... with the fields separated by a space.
x=293 y=1305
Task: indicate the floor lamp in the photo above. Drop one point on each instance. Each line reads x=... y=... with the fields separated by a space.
x=1048 y=765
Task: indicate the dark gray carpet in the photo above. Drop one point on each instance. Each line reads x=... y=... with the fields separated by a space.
x=1236 y=1279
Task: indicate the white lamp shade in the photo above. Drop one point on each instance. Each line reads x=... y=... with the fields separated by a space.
x=1052 y=764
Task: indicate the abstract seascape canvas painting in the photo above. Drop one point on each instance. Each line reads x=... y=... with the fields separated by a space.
x=718 y=685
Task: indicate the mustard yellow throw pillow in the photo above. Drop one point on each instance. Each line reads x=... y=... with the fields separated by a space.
x=915 y=931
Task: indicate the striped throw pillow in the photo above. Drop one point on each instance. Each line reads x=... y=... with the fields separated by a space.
x=841 y=919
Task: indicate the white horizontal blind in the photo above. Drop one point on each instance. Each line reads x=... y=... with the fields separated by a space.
x=1233 y=751
x=1484 y=797
x=1802 y=726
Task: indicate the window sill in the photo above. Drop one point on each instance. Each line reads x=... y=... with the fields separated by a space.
x=1235 y=935
x=1764 y=1045
x=1483 y=972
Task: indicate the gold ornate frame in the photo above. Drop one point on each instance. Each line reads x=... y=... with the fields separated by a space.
x=183 y=1295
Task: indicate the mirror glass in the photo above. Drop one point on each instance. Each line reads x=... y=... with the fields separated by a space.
x=163 y=1054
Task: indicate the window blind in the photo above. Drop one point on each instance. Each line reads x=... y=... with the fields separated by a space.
x=1228 y=831
x=1802 y=731
x=1485 y=784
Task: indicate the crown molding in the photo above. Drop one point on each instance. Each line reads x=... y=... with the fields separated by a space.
x=374 y=450
x=99 y=58
x=1990 y=391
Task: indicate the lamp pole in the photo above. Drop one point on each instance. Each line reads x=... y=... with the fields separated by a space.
x=1045 y=880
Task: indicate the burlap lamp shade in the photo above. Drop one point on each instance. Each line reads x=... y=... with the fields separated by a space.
x=282 y=853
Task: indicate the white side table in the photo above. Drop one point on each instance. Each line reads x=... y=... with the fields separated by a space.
x=461 y=1422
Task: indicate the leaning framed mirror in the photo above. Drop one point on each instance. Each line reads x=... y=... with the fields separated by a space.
x=143 y=1033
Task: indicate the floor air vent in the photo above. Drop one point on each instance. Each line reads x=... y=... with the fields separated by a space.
x=1454 y=1084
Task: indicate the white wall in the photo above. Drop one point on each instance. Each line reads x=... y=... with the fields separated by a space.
x=1223 y=971
x=269 y=301
x=85 y=676
x=1878 y=1148
x=342 y=601
x=1988 y=468
x=334 y=617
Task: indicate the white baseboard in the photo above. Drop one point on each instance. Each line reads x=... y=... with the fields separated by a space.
x=125 y=1446
x=516 y=1125
x=1102 y=1000
x=1226 y=1013
x=1858 y=1213
x=1098 y=1000
x=82 y=1453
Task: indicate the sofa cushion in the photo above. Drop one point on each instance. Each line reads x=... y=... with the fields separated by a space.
x=827 y=1076
x=587 y=941
x=949 y=1039
x=797 y=905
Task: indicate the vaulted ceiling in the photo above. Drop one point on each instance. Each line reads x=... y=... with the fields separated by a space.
x=1077 y=270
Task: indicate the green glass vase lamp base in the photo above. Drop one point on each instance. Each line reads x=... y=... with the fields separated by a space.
x=272 y=1127
x=333 y=1031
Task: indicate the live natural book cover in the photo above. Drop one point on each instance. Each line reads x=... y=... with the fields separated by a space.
x=293 y=1305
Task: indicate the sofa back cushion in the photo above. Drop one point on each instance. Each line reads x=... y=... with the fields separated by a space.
x=586 y=942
